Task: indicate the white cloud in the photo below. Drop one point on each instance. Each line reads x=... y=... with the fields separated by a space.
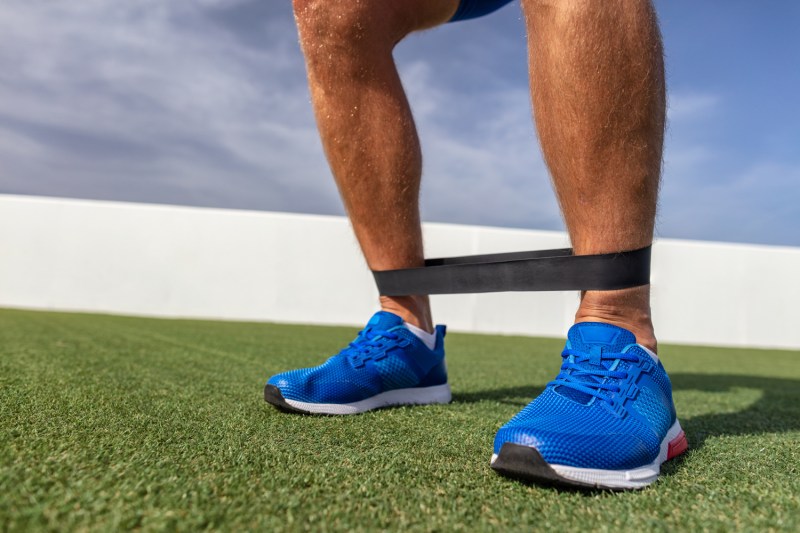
x=155 y=100
x=682 y=105
x=714 y=192
x=482 y=160
x=183 y=101
x=751 y=204
x=204 y=102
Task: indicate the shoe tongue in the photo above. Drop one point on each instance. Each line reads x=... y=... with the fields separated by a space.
x=384 y=320
x=594 y=338
x=586 y=335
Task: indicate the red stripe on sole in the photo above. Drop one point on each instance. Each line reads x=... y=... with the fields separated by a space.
x=677 y=446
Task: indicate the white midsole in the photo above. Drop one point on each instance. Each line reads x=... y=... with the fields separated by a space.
x=413 y=396
x=620 y=479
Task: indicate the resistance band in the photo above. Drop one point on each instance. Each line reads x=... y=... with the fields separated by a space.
x=541 y=270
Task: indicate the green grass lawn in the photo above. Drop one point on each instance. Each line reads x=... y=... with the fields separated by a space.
x=113 y=422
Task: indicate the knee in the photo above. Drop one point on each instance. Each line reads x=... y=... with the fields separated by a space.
x=327 y=26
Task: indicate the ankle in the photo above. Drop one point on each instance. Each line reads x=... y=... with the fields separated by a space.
x=414 y=310
x=628 y=308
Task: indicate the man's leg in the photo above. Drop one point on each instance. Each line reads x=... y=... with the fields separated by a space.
x=369 y=137
x=597 y=82
x=366 y=125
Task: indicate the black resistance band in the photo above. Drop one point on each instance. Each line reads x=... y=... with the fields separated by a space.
x=541 y=270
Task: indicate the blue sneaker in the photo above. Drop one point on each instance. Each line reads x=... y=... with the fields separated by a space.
x=385 y=365
x=606 y=421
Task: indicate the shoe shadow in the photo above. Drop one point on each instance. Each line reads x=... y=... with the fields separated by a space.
x=724 y=405
x=520 y=396
x=776 y=409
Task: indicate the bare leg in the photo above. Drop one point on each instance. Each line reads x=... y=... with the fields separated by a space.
x=597 y=84
x=366 y=125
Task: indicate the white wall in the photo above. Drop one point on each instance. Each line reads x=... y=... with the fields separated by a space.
x=213 y=263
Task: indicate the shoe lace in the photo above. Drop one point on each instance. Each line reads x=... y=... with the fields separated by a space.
x=369 y=343
x=586 y=373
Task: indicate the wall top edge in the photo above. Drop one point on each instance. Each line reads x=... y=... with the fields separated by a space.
x=156 y=207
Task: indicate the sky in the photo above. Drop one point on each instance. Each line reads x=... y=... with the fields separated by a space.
x=205 y=103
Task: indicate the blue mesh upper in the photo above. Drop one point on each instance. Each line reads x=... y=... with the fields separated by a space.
x=616 y=423
x=385 y=356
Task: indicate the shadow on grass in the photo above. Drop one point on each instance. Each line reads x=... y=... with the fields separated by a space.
x=520 y=396
x=777 y=409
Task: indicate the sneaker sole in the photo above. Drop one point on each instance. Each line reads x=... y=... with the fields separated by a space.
x=415 y=396
x=525 y=462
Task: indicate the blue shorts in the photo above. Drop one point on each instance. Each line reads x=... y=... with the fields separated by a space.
x=470 y=9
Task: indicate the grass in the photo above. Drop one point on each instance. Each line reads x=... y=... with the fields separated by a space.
x=113 y=423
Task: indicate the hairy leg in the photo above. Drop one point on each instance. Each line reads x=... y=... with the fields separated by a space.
x=366 y=125
x=598 y=91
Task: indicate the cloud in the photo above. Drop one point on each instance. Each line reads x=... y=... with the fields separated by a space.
x=688 y=105
x=714 y=192
x=482 y=163
x=159 y=102
x=739 y=207
x=472 y=105
x=204 y=102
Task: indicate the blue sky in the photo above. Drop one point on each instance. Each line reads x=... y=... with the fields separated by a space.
x=203 y=102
